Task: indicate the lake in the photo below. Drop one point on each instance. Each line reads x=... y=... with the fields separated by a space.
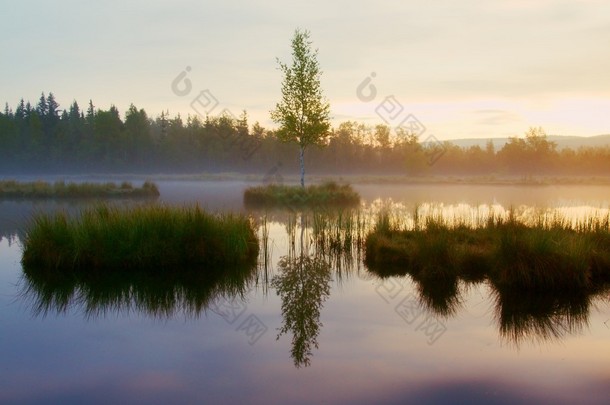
x=306 y=328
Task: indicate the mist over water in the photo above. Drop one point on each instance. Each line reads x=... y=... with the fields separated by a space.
x=228 y=196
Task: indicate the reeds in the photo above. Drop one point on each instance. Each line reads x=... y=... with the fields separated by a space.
x=61 y=189
x=278 y=195
x=338 y=235
x=545 y=254
x=148 y=239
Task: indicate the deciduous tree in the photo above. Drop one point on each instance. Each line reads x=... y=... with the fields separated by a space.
x=303 y=113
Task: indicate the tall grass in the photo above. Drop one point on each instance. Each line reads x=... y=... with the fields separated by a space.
x=61 y=189
x=150 y=238
x=338 y=236
x=277 y=195
x=266 y=254
x=545 y=254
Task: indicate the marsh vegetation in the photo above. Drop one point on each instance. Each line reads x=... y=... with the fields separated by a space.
x=313 y=196
x=542 y=273
x=148 y=238
x=546 y=254
x=61 y=189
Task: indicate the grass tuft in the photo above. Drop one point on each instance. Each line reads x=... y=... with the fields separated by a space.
x=106 y=239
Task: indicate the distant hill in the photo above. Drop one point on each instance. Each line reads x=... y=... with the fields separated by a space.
x=572 y=142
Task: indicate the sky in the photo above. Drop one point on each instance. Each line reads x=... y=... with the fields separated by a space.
x=450 y=69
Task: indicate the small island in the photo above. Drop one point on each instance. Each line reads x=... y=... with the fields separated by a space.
x=279 y=195
x=12 y=189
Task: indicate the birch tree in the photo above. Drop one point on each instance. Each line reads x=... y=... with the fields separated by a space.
x=303 y=113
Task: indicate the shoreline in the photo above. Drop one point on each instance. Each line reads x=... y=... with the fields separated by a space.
x=369 y=179
x=492 y=180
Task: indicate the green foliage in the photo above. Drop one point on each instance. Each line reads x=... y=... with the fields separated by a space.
x=303 y=115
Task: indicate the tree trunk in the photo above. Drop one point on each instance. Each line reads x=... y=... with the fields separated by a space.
x=302 y=155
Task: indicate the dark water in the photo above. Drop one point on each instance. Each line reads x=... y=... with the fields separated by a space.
x=308 y=328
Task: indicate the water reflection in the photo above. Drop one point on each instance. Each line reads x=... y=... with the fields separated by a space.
x=524 y=316
x=439 y=293
x=320 y=246
x=521 y=315
x=162 y=293
x=303 y=283
x=541 y=313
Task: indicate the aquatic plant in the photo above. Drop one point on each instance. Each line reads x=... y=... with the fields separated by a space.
x=149 y=238
x=545 y=254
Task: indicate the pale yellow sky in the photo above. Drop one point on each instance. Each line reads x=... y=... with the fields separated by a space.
x=472 y=68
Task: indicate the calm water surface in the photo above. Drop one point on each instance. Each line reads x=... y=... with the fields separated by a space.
x=376 y=343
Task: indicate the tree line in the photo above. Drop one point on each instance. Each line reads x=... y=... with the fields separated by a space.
x=44 y=138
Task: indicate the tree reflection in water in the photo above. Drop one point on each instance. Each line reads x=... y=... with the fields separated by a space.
x=303 y=285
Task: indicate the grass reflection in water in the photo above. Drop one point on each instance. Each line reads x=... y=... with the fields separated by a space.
x=159 y=294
